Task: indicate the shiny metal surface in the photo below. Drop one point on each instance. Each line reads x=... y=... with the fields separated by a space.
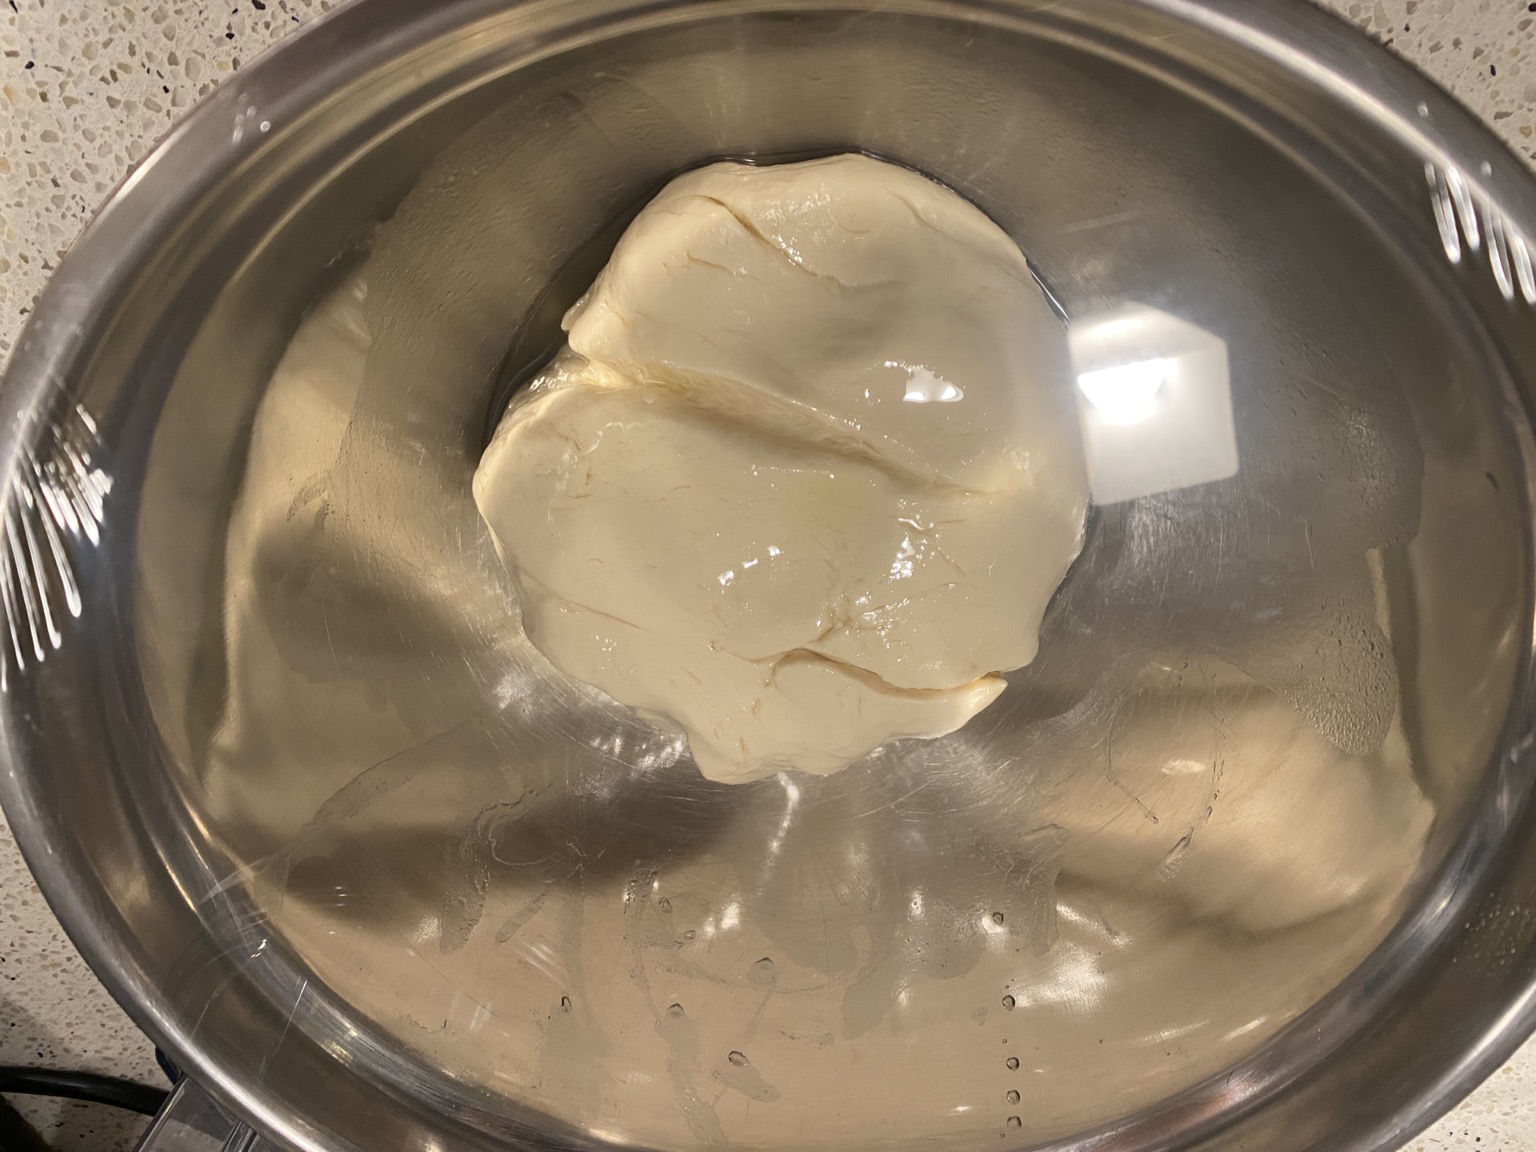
x=1243 y=860
x=191 y=1122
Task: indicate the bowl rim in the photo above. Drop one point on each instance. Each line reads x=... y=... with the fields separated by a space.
x=362 y=36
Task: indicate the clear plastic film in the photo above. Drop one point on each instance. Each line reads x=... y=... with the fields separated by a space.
x=1199 y=808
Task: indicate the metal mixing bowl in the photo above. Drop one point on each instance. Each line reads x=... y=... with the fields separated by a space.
x=1244 y=860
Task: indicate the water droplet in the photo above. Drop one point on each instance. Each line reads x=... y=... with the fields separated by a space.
x=763 y=972
x=1013 y=1096
x=674 y=1009
x=565 y=1003
x=997 y=917
x=1015 y=1122
x=1009 y=1002
x=737 y=1058
x=1013 y=1063
x=664 y=905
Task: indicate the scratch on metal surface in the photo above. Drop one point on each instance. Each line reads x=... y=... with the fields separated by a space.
x=287 y=1024
x=55 y=507
x=1103 y=221
x=1117 y=783
x=516 y=922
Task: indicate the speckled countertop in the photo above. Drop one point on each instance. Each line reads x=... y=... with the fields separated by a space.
x=86 y=86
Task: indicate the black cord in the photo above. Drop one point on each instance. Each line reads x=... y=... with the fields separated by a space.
x=16 y=1135
x=172 y=1073
x=109 y=1090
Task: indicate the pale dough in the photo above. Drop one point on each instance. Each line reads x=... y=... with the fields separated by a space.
x=808 y=472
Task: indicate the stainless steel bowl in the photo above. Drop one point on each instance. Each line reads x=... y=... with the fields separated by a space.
x=1244 y=860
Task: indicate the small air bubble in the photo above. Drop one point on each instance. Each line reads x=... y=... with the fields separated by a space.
x=737 y=1058
x=997 y=917
x=565 y=1003
x=1013 y=1063
x=674 y=1009
x=1015 y=1122
x=690 y=934
x=1009 y=1002
x=1013 y=1096
x=763 y=972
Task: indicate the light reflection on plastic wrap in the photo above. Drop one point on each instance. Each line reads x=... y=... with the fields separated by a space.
x=1076 y=980
x=54 y=508
x=1155 y=403
x=1462 y=211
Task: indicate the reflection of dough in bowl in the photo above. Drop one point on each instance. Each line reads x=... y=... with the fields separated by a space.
x=1212 y=792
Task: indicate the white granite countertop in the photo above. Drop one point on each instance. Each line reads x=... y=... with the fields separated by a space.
x=86 y=86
